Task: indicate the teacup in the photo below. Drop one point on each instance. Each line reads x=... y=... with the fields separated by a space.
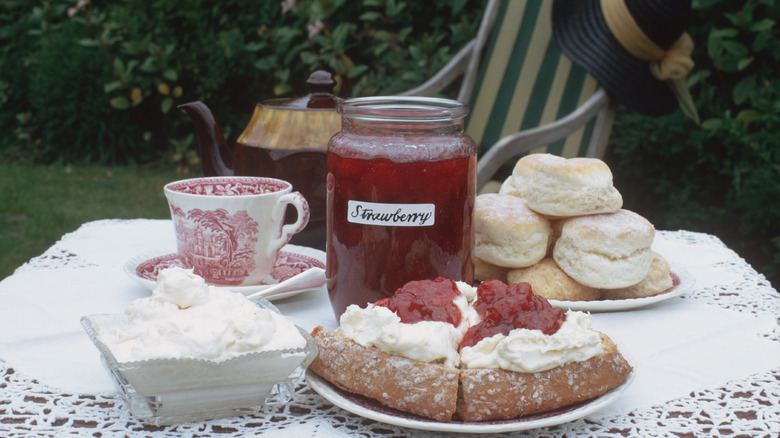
x=229 y=230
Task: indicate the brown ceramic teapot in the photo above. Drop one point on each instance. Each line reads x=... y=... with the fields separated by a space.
x=285 y=139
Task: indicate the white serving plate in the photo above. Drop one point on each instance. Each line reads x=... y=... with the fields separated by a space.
x=373 y=410
x=685 y=284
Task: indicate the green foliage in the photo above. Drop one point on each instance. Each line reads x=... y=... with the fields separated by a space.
x=98 y=81
x=723 y=176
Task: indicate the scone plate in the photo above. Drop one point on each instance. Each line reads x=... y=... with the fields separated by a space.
x=373 y=410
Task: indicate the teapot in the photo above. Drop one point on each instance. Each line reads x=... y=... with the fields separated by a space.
x=285 y=139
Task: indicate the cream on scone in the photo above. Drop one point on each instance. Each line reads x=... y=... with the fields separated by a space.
x=607 y=251
x=658 y=280
x=548 y=280
x=561 y=187
x=507 y=233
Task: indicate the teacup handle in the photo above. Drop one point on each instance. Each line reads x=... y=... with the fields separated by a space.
x=288 y=230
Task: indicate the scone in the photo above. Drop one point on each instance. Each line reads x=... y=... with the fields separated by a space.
x=561 y=187
x=488 y=271
x=508 y=188
x=401 y=351
x=556 y=225
x=516 y=354
x=495 y=393
x=657 y=281
x=517 y=183
x=548 y=280
x=507 y=232
x=520 y=359
x=424 y=389
x=607 y=251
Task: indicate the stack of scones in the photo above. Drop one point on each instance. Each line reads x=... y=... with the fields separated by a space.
x=557 y=224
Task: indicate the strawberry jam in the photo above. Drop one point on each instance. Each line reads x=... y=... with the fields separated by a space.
x=400 y=197
x=425 y=300
x=504 y=307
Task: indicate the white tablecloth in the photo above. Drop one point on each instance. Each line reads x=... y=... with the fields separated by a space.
x=720 y=339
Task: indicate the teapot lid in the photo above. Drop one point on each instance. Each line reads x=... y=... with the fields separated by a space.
x=305 y=123
x=320 y=84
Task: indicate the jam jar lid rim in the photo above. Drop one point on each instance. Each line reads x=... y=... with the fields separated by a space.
x=406 y=108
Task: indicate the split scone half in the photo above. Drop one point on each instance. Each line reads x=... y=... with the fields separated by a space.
x=425 y=389
x=447 y=351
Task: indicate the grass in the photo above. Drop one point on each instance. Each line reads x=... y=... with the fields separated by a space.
x=38 y=204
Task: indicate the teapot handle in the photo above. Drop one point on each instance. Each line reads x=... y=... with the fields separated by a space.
x=215 y=155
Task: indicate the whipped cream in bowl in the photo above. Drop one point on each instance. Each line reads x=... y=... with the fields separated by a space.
x=191 y=351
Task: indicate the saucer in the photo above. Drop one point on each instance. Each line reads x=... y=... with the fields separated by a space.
x=292 y=260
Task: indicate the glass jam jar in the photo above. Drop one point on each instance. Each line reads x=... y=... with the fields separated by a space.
x=401 y=186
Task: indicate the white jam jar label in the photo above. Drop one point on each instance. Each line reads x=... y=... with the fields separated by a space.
x=393 y=215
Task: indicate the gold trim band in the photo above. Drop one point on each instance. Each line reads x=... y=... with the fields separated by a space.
x=674 y=63
x=628 y=33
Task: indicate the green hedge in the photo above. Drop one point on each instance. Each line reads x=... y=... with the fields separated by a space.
x=98 y=81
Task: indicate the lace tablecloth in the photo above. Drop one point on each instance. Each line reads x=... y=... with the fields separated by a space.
x=51 y=382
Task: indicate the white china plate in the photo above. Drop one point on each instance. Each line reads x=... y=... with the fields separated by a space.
x=292 y=260
x=683 y=284
x=373 y=410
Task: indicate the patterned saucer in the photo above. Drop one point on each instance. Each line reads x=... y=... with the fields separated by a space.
x=292 y=260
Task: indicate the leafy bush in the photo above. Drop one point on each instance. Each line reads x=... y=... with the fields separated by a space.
x=724 y=176
x=53 y=107
x=105 y=77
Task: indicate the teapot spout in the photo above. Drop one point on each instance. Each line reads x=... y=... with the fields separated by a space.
x=216 y=157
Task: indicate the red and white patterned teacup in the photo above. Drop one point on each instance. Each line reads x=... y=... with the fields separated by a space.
x=230 y=229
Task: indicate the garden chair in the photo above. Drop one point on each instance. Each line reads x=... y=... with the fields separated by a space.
x=525 y=95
